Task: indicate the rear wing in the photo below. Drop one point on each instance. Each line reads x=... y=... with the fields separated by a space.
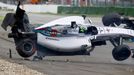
x=9 y=20
x=18 y=20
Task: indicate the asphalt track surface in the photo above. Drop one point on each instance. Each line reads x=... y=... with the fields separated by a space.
x=99 y=63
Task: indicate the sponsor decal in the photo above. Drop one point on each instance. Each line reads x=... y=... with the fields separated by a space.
x=49 y=38
x=48 y=31
x=108 y=30
x=53 y=33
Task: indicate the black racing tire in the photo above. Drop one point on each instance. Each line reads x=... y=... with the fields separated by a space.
x=111 y=18
x=26 y=48
x=121 y=52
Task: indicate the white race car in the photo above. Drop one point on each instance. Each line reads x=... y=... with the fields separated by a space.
x=73 y=35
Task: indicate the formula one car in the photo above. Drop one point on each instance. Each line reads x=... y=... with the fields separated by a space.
x=73 y=35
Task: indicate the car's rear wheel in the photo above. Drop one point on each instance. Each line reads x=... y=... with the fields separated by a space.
x=26 y=48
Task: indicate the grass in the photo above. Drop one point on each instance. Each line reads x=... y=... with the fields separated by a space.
x=1 y=18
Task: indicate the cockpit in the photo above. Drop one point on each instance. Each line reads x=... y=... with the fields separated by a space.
x=68 y=30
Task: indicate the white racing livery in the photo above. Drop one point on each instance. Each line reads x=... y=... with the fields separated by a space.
x=73 y=35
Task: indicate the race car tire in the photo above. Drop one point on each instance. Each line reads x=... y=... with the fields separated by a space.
x=26 y=48
x=111 y=19
x=121 y=52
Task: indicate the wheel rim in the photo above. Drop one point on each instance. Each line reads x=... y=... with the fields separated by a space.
x=27 y=47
